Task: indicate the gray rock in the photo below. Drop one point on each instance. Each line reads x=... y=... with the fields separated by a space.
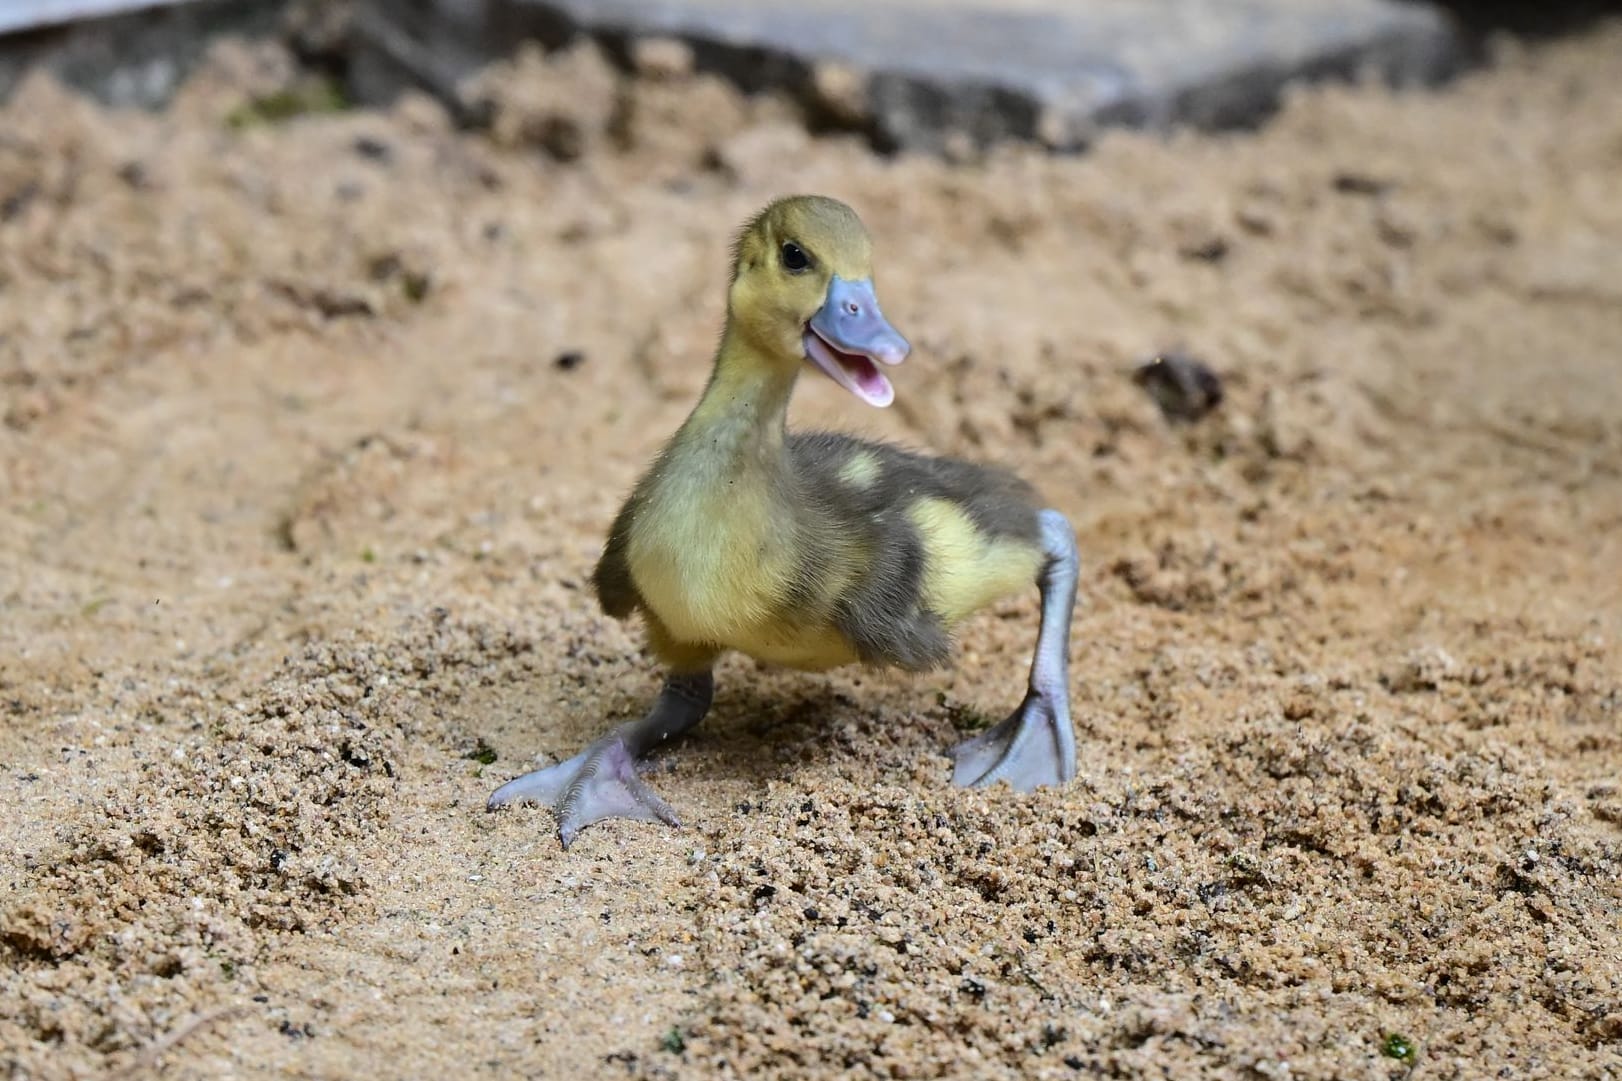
x=929 y=71
x=134 y=58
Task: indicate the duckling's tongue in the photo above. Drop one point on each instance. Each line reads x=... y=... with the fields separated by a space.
x=848 y=337
x=852 y=371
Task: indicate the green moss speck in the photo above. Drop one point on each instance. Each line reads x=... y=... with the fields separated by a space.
x=415 y=286
x=674 y=1041
x=964 y=718
x=1399 y=1047
x=314 y=96
x=483 y=753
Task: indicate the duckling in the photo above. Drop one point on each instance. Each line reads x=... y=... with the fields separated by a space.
x=813 y=550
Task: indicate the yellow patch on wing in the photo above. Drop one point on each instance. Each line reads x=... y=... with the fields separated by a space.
x=964 y=570
x=861 y=471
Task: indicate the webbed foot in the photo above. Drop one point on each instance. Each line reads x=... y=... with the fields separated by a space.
x=599 y=782
x=1033 y=747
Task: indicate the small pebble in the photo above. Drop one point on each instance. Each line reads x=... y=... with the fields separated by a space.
x=372 y=148
x=1184 y=388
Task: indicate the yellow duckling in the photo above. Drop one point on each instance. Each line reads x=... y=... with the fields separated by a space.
x=813 y=549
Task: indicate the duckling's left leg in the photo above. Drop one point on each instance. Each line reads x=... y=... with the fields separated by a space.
x=1036 y=745
x=601 y=781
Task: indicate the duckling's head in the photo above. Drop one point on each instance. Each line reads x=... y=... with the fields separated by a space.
x=802 y=289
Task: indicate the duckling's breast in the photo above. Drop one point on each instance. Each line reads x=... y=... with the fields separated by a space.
x=705 y=566
x=726 y=567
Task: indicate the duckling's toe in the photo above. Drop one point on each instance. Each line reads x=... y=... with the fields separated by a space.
x=599 y=782
x=1035 y=746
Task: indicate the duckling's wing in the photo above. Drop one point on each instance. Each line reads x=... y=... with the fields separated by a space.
x=1001 y=505
x=872 y=478
x=863 y=495
x=616 y=591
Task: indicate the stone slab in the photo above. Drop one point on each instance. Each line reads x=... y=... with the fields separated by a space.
x=34 y=14
x=1053 y=70
x=122 y=52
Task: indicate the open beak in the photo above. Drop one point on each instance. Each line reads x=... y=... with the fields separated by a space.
x=848 y=339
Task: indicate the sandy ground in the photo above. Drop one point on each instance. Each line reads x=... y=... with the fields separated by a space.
x=312 y=430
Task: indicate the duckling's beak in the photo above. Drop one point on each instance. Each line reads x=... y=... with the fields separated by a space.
x=848 y=334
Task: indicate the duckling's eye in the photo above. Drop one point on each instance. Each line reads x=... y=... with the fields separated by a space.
x=794 y=258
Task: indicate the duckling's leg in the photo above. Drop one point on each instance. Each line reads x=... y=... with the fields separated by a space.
x=601 y=782
x=1036 y=745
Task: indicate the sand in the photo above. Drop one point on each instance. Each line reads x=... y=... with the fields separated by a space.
x=312 y=429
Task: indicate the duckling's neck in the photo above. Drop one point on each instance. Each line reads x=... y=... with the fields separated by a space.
x=738 y=424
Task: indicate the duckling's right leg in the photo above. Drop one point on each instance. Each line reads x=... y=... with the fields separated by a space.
x=1036 y=746
x=601 y=781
